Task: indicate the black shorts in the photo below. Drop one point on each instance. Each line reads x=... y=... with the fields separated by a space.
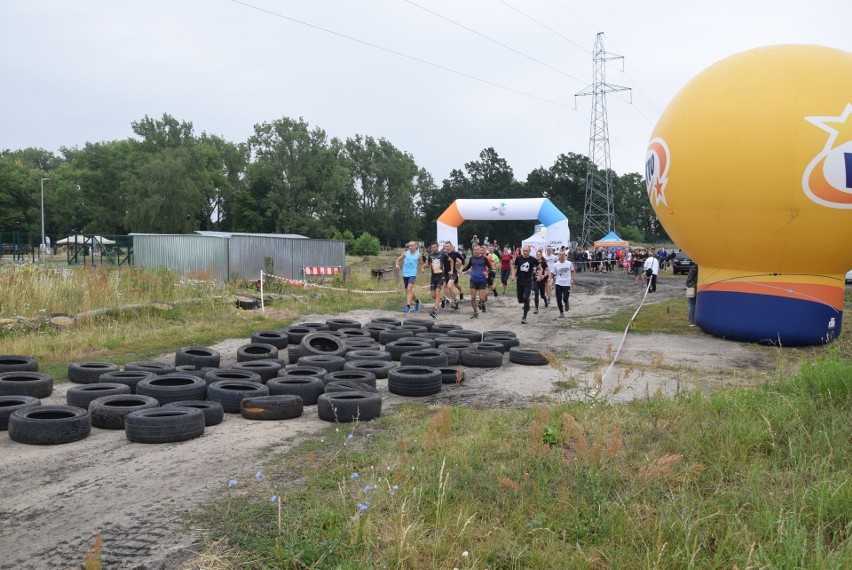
x=477 y=285
x=451 y=277
x=437 y=281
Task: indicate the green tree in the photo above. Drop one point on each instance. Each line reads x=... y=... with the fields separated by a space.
x=366 y=244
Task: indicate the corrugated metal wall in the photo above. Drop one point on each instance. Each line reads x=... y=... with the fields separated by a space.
x=284 y=257
x=187 y=253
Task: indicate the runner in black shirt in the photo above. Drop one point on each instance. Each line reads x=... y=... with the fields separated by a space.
x=434 y=260
x=540 y=280
x=452 y=263
x=523 y=271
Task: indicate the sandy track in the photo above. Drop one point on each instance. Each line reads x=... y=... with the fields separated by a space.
x=56 y=499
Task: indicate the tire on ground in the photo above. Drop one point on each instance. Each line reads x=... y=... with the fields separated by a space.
x=489 y=345
x=266 y=369
x=361 y=376
x=9 y=404
x=173 y=387
x=164 y=425
x=375 y=329
x=380 y=368
x=295 y=334
x=278 y=407
x=307 y=388
x=301 y=371
x=323 y=343
x=128 y=377
x=256 y=351
x=278 y=339
x=368 y=355
x=349 y=406
x=425 y=323
x=241 y=374
x=366 y=343
x=399 y=347
x=506 y=340
x=82 y=396
x=247 y=302
x=444 y=327
x=527 y=356
x=453 y=355
x=89 y=372
x=294 y=353
x=394 y=322
x=26 y=383
x=197 y=356
x=477 y=358
x=414 y=381
x=213 y=411
x=49 y=425
x=158 y=368
x=17 y=363
x=230 y=393
x=472 y=336
x=328 y=362
x=388 y=336
x=337 y=324
x=349 y=386
x=108 y=412
x=452 y=374
x=427 y=357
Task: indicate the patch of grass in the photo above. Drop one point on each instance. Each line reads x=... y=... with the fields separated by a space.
x=743 y=477
x=668 y=317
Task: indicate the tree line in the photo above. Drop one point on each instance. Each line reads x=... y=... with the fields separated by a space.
x=288 y=177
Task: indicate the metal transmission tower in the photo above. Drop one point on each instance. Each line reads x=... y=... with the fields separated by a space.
x=598 y=212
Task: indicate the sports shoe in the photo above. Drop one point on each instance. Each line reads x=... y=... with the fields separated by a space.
x=481 y=306
x=523 y=320
x=692 y=324
x=407 y=309
x=444 y=302
x=494 y=292
x=455 y=305
x=461 y=296
x=561 y=315
x=475 y=315
x=416 y=305
x=433 y=313
x=546 y=302
x=536 y=311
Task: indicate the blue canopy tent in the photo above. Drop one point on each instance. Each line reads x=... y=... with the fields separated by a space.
x=613 y=241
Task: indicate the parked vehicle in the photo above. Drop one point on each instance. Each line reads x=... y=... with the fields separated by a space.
x=681 y=263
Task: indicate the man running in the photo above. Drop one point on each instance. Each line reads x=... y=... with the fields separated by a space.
x=563 y=274
x=479 y=268
x=523 y=271
x=452 y=264
x=494 y=260
x=435 y=263
x=550 y=257
x=411 y=261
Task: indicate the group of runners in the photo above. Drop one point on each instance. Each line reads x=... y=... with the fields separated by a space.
x=536 y=276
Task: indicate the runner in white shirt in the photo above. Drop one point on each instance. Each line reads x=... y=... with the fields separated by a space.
x=550 y=257
x=652 y=268
x=563 y=274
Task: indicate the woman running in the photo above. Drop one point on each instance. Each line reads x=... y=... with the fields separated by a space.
x=540 y=280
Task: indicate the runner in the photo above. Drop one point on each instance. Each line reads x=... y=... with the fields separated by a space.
x=563 y=275
x=550 y=257
x=435 y=262
x=452 y=264
x=463 y=257
x=540 y=280
x=411 y=260
x=522 y=272
x=494 y=261
x=506 y=267
x=479 y=268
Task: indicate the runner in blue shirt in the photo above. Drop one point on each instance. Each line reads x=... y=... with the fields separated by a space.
x=411 y=261
x=479 y=267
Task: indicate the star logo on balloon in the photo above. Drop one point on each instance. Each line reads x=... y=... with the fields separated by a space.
x=501 y=209
x=828 y=178
x=657 y=162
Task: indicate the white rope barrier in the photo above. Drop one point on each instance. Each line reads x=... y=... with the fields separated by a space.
x=626 y=330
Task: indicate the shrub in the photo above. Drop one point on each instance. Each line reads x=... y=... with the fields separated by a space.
x=366 y=244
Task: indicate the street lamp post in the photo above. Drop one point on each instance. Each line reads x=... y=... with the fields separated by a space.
x=42 y=246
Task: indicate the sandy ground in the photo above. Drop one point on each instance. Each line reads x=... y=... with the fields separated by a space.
x=56 y=499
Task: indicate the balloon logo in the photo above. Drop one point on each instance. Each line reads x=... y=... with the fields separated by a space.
x=749 y=169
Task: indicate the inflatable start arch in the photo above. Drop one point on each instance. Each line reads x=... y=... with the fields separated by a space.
x=540 y=209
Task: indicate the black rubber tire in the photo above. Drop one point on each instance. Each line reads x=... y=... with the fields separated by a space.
x=389 y=336
x=527 y=356
x=351 y=334
x=380 y=368
x=9 y=404
x=472 y=336
x=213 y=411
x=173 y=387
x=247 y=302
x=294 y=353
x=307 y=388
x=506 y=340
x=300 y=371
x=266 y=369
x=232 y=374
x=349 y=386
x=164 y=425
x=429 y=335
x=452 y=375
x=158 y=368
x=230 y=393
x=49 y=425
x=368 y=355
x=17 y=363
x=109 y=412
x=366 y=343
x=375 y=329
x=399 y=347
x=295 y=334
x=189 y=369
x=457 y=343
x=426 y=357
x=453 y=355
x=256 y=351
x=337 y=324
x=82 y=396
x=486 y=334
x=323 y=343
x=26 y=383
x=476 y=358
x=128 y=377
x=414 y=381
x=318 y=327
x=279 y=407
x=349 y=406
x=387 y=321
x=425 y=323
x=489 y=345
x=278 y=339
x=89 y=372
x=444 y=327
x=416 y=329
x=329 y=363
x=361 y=376
x=197 y=356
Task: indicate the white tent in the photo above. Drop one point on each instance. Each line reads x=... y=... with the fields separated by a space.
x=537 y=241
x=81 y=239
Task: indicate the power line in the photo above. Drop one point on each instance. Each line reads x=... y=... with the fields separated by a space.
x=492 y=40
x=545 y=26
x=401 y=54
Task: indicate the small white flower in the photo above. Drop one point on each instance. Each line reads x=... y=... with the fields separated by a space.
x=465 y=554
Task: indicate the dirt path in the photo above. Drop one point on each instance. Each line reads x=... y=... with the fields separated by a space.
x=56 y=499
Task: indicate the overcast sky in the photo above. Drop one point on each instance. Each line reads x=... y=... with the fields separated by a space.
x=473 y=73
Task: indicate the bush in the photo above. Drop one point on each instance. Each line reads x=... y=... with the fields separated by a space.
x=366 y=244
x=630 y=233
x=348 y=237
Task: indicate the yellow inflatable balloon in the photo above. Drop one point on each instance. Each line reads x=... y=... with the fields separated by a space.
x=749 y=169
